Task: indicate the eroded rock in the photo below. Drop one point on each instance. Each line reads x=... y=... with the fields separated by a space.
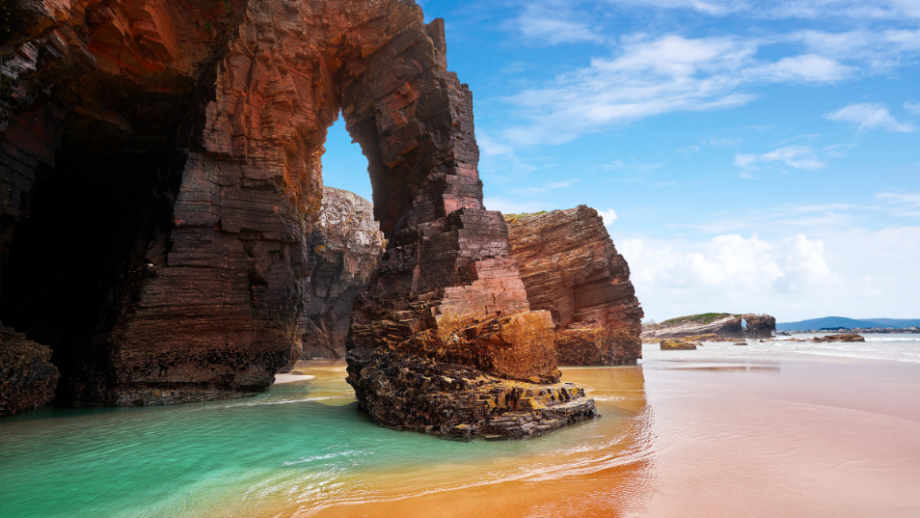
x=27 y=376
x=725 y=325
x=188 y=138
x=348 y=245
x=571 y=268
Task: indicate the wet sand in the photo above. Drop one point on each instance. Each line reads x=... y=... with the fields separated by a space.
x=790 y=437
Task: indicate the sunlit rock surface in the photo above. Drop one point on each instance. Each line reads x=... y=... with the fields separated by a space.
x=162 y=189
x=571 y=268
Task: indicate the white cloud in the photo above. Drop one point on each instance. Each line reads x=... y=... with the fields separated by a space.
x=653 y=76
x=609 y=215
x=792 y=278
x=867 y=116
x=902 y=205
x=912 y=107
x=553 y=23
x=544 y=188
x=799 y=157
x=731 y=262
x=779 y=9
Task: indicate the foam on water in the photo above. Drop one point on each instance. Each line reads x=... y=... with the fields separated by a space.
x=892 y=347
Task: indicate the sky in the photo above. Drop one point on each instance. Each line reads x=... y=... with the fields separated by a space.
x=747 y=156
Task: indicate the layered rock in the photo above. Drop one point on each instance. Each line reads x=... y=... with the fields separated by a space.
x=571 y=268
x=724 y=325
x=187 y=137
x=27 y=376
x=347 y=247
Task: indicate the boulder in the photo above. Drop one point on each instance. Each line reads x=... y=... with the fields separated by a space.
x=839 y=338
x=678 y=345
x=27 y=376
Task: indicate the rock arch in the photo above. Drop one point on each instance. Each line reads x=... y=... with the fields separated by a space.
x=216 y=114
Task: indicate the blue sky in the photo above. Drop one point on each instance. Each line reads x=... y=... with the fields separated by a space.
x=748 y=156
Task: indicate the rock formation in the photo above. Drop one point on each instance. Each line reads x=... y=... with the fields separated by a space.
x=839 y=338
x=27 y=377
x=347 y=247
x=162 y=189
x=676 y=344
x=571 y=268
x=724 y=325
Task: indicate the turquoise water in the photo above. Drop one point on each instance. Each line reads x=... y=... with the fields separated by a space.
x=296 y=448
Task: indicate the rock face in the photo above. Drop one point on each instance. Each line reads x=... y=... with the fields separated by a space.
x=347 y=249
x=571 y=268
x=725 y=325
x=186 y=138
x=27 y=377
x=452 y=401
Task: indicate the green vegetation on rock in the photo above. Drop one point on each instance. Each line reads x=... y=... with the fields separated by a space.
x=703 y=318
x=514 y=218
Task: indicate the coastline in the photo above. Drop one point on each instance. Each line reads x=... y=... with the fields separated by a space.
x=790 y=434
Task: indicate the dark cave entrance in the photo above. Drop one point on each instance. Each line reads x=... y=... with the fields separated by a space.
x=90 y=218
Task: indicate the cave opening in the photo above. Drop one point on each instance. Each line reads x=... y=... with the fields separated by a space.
x=91 y=213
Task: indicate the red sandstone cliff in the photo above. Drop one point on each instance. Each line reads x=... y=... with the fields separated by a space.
x=571 y=268
x=161 y=187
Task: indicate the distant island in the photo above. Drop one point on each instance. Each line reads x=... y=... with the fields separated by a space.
x=873 y=325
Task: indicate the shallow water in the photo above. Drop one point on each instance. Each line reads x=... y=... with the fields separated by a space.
x=743 y=433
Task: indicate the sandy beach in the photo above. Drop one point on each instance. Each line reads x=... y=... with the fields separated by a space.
x=752 y=431
x=792 y=437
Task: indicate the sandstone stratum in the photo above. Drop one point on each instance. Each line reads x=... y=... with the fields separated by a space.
x=724 y=326
x=161 y=199
x=571 y=268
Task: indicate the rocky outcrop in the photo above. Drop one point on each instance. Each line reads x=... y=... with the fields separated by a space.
x=571 y=268
x=187 y=137
x=759 y=326
x=453 y=401
x=839 y=338
x=27 y=377
x=675 y=344
x=347 y=247
x=724 y=325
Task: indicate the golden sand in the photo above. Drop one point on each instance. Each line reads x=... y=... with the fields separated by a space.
x=785 y=438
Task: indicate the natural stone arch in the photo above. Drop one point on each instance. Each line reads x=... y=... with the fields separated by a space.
x=207 y=290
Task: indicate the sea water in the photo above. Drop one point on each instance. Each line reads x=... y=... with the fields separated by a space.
x=893 y=347
x=681 y=421
x=294 y=450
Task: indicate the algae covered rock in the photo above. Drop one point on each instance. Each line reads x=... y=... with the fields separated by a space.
x=678 y=345
x=27 y=376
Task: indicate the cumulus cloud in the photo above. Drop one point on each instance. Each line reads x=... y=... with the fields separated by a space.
x=609 y=215
x=868 y=116
x=799 y=157
x=732 y=262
